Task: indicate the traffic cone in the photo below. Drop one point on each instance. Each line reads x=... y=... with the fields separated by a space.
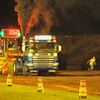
x=9 y=80
x=40 y=85
x=82 y=89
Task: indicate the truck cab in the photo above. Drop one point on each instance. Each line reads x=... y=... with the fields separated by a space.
x=40 y=54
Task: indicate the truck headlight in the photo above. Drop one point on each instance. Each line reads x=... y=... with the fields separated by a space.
x=55 y=64
x=30 y=54
x=29 y=64
x=55 y=54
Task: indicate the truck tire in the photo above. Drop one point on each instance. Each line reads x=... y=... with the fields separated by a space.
x=15 y=70
x=24 y=72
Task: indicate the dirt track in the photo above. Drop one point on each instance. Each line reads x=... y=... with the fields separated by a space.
x=66 y=81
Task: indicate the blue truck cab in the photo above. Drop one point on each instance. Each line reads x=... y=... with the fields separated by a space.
x=40 y=55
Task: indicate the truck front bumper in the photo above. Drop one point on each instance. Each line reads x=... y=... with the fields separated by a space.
x=36 y=69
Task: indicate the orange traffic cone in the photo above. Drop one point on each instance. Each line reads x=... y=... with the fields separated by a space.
x=40 y=85
x=9 y=80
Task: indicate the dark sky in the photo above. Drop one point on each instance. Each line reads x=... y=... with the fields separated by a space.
x=78 y=16
x=8 y=17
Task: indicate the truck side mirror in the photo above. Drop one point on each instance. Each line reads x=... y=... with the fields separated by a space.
x=58 y=48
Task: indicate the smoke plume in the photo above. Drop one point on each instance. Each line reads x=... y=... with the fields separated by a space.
x=59 y=16
x=41 y=17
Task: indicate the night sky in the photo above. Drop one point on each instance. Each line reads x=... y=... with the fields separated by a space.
x=8 y=17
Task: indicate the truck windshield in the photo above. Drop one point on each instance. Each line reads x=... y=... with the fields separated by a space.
x=42 y=47
x=11 y=44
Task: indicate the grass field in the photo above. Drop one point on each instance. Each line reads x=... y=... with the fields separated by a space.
x=19 y=92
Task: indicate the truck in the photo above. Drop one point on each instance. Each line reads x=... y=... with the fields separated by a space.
x=40 y=55
x=9 y=49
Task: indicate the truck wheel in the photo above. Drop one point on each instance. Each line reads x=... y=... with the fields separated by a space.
x=15 y=70
x=24 y=72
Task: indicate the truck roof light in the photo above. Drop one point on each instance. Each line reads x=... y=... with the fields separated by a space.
x=32 y=38
x=54 y=38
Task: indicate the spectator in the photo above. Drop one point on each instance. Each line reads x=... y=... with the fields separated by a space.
x=92 y=63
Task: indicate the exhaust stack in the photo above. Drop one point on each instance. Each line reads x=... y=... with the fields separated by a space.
x=23 y=43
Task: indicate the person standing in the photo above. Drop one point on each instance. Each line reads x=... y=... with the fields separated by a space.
x=92 y=63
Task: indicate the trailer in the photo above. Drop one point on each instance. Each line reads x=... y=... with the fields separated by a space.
x=40 y=55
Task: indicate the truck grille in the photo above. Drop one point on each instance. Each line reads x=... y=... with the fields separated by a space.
x=43 y=61
x=43 y=64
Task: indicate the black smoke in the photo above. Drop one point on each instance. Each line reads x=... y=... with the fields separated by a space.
x=59 y=16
